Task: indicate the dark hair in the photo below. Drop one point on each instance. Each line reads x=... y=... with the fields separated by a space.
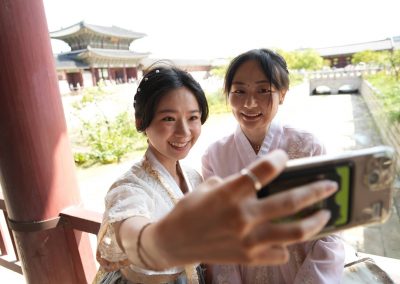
x=157 y=82
x=272 y=64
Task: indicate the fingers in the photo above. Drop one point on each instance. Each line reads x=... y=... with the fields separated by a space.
x=270 y=166
x=288 y=202
x=268 y=233
x=292 y=201
x=263 y=170
x=285 y=204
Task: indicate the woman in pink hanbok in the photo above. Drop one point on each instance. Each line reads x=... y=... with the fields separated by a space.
x=256 y=83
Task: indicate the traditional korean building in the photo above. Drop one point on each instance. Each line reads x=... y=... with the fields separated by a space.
x=97 y=53
x=340 y=56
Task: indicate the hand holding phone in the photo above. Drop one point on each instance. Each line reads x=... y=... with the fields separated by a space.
x=365 y=182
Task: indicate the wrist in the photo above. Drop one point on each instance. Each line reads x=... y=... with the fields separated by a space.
x=155 y=248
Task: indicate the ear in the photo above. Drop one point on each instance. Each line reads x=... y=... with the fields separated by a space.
x=282 y=95
x=138 y=123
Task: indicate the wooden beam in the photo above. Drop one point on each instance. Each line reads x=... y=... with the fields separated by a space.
x=82 y=219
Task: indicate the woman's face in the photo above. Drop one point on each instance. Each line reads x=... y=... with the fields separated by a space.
x=175 y=127
x=253 y=100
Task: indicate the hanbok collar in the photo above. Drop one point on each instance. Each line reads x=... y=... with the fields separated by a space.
x=271 y=142
x=172 y=188
x=165 y=177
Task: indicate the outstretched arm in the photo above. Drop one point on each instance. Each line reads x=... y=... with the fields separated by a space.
x=224 y=222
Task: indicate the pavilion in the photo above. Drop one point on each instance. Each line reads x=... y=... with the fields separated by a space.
x=97 y=53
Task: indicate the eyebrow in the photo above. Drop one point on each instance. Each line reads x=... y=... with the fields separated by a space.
x=257 y=82
x=174 y=111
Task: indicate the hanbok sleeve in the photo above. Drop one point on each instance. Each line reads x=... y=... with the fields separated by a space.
x=224 y=273
x=324 y=262
x=194 y=178
x=206 y=161
x=124 y=200
x=129 y=197
x=318 y=147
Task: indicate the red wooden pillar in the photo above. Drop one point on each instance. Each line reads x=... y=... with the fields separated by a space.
x=36 y=165
x=125 y=76
x=80 y=79
x=94 y=73
x=110 y=76
x=135 y=72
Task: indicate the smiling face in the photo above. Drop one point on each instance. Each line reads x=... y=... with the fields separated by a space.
x=175 y=127
x=253 y=100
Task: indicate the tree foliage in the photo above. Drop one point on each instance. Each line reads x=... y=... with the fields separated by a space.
x=393 y=58
x=368 y=57
x=388 y=94
x=306 y=59
x=387 y=59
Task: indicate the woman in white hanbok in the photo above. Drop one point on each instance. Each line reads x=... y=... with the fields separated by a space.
x=170 y=107
x=256 y=83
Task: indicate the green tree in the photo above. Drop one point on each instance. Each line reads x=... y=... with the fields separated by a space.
x=307 y=59
x=392 y=58
x=388 y=59
x=368 y=57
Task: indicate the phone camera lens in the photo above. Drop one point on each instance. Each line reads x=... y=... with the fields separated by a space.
x=373 y=177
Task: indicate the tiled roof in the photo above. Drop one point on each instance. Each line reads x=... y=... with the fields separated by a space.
x=108 y=31
x=385 y=44
x=69 y=60
x=76 y=59
x=178 y=62
x=115 y=53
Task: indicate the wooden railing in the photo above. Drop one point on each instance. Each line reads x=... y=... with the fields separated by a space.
x=9 y=255
x=77 y=218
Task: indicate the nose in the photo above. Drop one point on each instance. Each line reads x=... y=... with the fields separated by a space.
x=250 y=101
x=182 y=128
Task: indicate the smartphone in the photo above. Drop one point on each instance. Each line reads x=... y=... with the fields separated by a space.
x=365 y=181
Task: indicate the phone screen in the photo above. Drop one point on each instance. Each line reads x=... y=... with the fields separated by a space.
x=338 y=204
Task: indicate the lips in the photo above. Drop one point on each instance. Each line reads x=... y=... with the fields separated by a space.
x=179 y=145
x=251 y=116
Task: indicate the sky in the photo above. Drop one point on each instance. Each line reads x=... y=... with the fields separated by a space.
x=207 y=29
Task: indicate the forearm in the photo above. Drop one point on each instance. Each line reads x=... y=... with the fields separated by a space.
x=152 y=251
x=224 y=222
x=140 y=252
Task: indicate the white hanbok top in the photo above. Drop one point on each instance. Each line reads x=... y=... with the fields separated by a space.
x=142 y=191
x=319 y=261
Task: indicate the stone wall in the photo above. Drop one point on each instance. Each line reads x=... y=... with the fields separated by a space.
x=389 y=130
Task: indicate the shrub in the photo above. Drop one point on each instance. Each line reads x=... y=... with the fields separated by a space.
x=389 y=91
x=103 y=139
x=108 y=140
